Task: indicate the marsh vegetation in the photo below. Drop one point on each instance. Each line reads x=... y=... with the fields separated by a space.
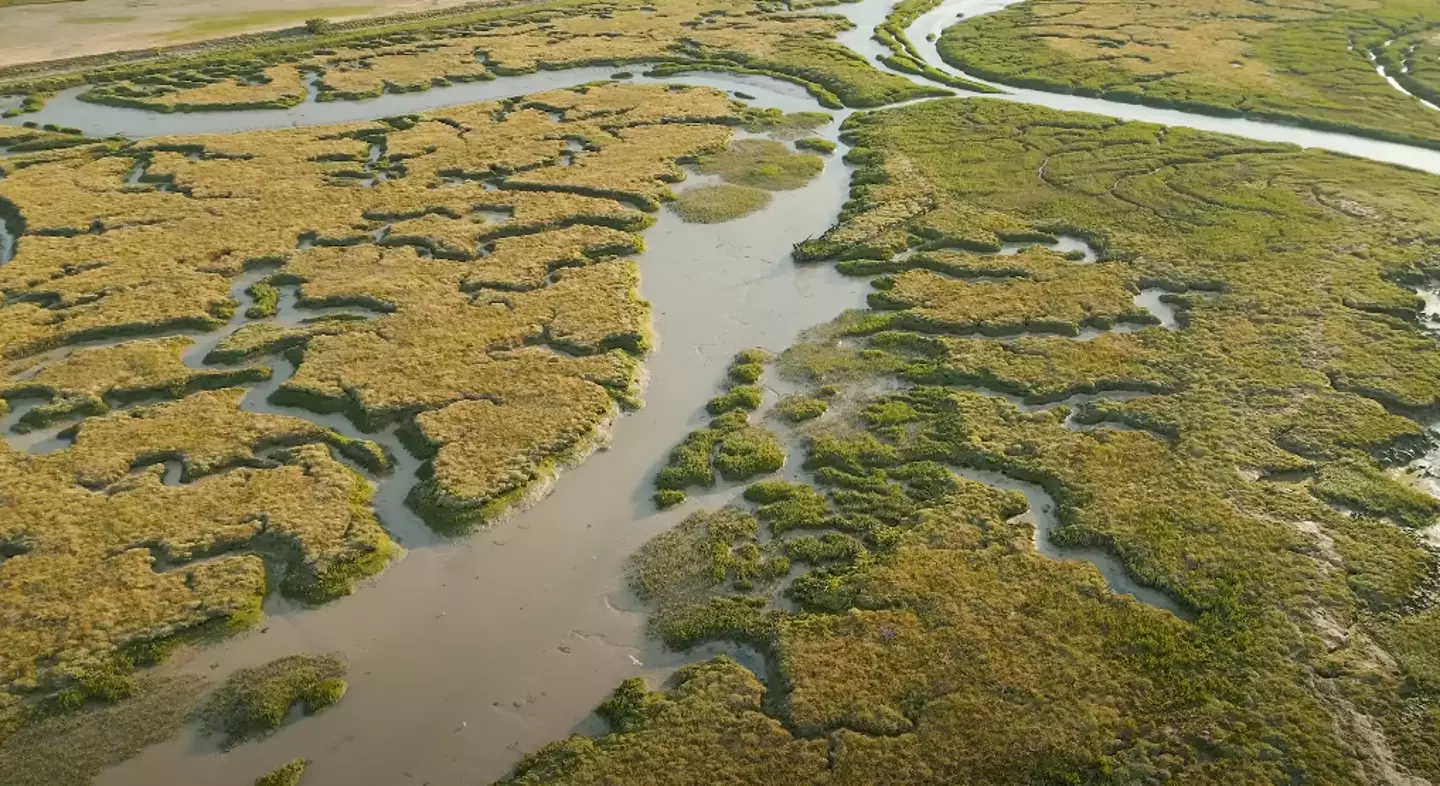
x=1305 y=65
x=1200 y=356
x=490 y=267
x=1245 y=473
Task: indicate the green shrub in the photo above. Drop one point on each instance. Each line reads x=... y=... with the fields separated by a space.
x=742 y=397
x=748 y=452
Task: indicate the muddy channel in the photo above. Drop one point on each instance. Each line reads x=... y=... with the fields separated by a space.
x=468 y=653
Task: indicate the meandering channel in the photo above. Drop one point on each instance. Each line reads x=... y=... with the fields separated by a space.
x=468 y=653
x=927 y=29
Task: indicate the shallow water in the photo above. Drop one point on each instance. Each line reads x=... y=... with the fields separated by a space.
x=468 y=653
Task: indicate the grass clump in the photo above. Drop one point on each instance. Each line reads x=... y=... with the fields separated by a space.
x=815 y=144
x=739 y=398
x=764 y=164
x=748 y=366
x=798 y=408
x=287 y=774
x=717 y=203
x=747 y=452
x=254 y=701
x=787 y=125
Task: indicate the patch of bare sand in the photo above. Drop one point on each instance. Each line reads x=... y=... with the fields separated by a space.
x=51 y=31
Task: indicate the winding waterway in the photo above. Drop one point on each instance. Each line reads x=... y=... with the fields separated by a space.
x=468 y=653
x=1391 y=80
x=927 y=29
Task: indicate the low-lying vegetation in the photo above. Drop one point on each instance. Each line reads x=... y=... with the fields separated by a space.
x=255 y=701
x=1264 y=60
x=730 y=444
x=1242 y=464
x=287 y=774
x=762 y=163
x=713 y=204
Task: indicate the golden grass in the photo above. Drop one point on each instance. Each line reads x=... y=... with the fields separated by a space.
x=107 y=557
x=504 y=356
x=354 y=74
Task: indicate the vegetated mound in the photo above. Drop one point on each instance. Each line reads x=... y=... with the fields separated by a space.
x=750 y=168
x=762 y=163
x=287 y=774
x=712 y=204
x=1240 y=461
x=730 y=444
x=255 y=701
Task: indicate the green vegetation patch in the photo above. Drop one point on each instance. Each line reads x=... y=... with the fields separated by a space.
x=1216 y=460
x=713 y=204
x=1306 y=66
x=739 y=398
x=747 y=452
x=762 y=163
x=815 y=144
x=711 y=720
x=253 y=702
x=800 y=408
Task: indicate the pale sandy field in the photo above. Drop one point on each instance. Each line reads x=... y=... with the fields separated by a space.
x=55 y=30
